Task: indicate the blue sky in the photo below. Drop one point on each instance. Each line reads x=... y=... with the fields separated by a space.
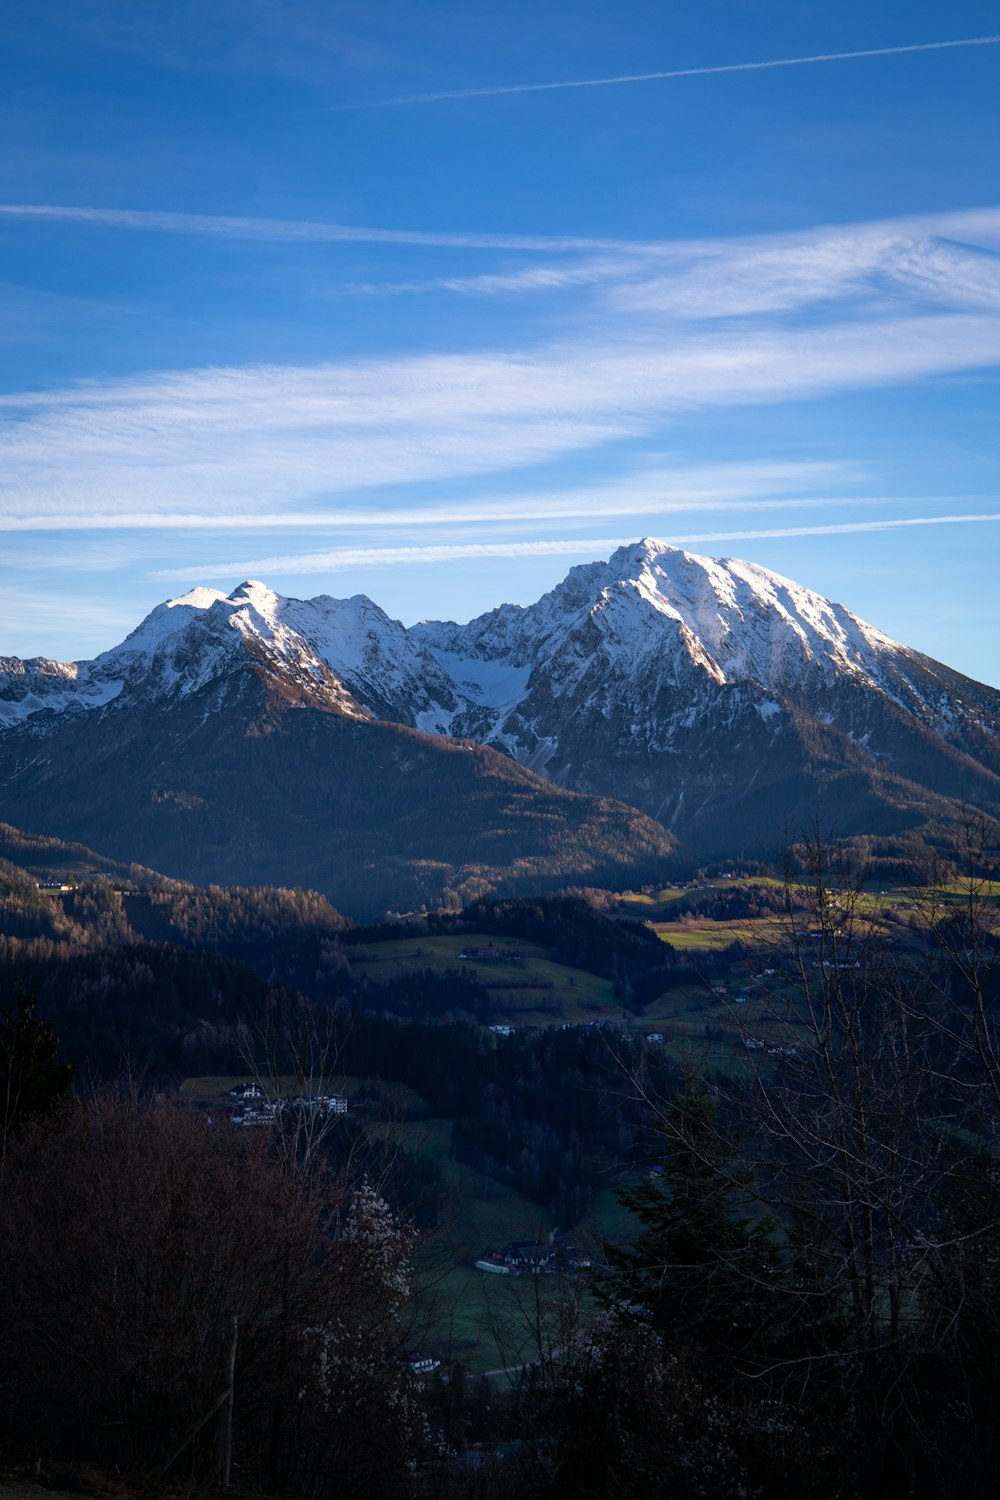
x=259 y=318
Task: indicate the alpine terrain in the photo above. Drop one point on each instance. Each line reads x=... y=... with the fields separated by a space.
x=254 y=737
x=217 y=744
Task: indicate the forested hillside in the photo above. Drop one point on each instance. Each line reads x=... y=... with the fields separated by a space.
x=802 y=1305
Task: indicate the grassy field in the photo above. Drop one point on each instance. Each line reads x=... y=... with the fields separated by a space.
x=525 y=986
x=467 y=1309
x=472 y=1316
x=460 y=1313
x=490 y=1322
x=644 y=903
x=700 y=935
x=538 y=991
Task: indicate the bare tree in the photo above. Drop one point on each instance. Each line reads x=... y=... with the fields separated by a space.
x=293 y=1057
x=868 y=1107
x=135 y=1233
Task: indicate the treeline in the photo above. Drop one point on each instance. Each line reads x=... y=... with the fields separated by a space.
x=575 y=934
x=296 y=939
x=542 y=1110
x=932 y=854
x=429 y=994
x=198 y=993
x=548 y=1112
x=264 y=925
x=150 y=1011
x=86 y=916
x=241 y=920
x=25 y=912
x=729 y=903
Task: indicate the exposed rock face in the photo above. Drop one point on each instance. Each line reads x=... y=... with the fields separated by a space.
x=231 y=754
x=726 y=702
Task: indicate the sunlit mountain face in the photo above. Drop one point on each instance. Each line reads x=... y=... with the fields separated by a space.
x=724 y=705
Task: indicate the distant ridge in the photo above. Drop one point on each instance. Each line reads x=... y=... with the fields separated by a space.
x=725 y=702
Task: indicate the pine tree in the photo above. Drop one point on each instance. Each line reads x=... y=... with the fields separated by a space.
x=700 y=1273
x=32 y=1084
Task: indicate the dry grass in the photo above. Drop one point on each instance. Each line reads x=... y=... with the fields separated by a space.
x=63 y=1481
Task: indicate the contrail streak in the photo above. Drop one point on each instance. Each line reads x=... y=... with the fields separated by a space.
x=225 y=226
x=355 y=557
x=748 y=67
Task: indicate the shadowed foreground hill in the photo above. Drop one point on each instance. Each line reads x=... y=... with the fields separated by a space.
x=261 y=790
x=47 y=860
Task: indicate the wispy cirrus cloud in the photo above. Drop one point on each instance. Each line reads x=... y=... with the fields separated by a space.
x=356 y=557
x=248 y=439
x=871 y=264
x=33 y=607
x=296 y=231
x=547 y=278
x=974 y=224
x=659 y=489
x=671 y=329
x=946 y=260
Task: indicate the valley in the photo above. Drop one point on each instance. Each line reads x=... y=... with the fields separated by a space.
x=522 y=939
x=659 y=980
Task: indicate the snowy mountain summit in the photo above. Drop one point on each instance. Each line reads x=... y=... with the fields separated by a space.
x=654 y=616
x=695 y=688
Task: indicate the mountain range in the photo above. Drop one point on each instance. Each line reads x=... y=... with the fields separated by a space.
x=656 y=709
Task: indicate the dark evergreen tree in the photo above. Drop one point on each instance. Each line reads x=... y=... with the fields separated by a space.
x=701 y=1274
x=32 y=1083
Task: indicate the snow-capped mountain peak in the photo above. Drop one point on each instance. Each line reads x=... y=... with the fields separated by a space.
x=632 y=676
x=732 y=620
x=750 y=622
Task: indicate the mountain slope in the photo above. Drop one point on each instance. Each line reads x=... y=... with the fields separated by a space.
x=724 y=701
x=258 y=774
x=657 y=637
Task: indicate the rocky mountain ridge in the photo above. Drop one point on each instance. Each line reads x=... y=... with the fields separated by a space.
x=718 y=697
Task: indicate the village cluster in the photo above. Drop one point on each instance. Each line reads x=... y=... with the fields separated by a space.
x=535 y=1258
x=253 y=1106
